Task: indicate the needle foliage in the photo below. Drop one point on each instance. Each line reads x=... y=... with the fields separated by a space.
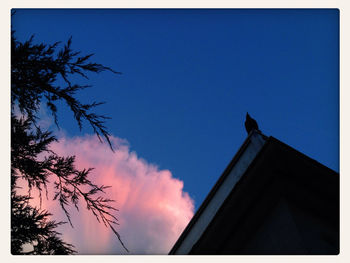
x=36 y=70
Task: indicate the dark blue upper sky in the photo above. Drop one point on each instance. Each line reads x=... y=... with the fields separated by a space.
x=190 y=76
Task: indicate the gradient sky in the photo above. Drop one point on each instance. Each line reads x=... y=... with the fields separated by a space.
x=190 y=76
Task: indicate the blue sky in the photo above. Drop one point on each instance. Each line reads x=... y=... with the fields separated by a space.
x=190 y=76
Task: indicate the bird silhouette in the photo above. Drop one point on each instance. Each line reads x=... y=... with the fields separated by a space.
x=250 y=124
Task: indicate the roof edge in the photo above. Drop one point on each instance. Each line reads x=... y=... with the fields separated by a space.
x=253 y=134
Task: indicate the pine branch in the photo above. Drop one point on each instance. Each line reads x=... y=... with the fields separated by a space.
x=34 y=70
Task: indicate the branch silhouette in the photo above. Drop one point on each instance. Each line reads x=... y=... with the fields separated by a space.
x=35 y=71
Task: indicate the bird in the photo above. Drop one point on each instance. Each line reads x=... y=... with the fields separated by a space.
x=250 y=124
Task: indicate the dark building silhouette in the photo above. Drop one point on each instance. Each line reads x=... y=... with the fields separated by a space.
x=270 y=200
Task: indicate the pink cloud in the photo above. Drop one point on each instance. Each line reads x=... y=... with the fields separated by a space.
x=153 y=208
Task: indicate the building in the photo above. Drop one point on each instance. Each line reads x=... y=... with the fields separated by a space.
x=270 y=200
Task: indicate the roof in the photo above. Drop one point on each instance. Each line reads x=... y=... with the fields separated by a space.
x=261 y=163
x=205 y=213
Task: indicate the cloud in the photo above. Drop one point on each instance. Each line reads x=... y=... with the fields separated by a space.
x=153 y=208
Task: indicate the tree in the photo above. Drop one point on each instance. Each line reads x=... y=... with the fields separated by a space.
x=35 y=71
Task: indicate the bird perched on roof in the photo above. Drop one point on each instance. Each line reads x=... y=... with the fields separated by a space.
x=250 y=124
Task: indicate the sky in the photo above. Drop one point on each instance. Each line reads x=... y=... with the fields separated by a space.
x=178 y=109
